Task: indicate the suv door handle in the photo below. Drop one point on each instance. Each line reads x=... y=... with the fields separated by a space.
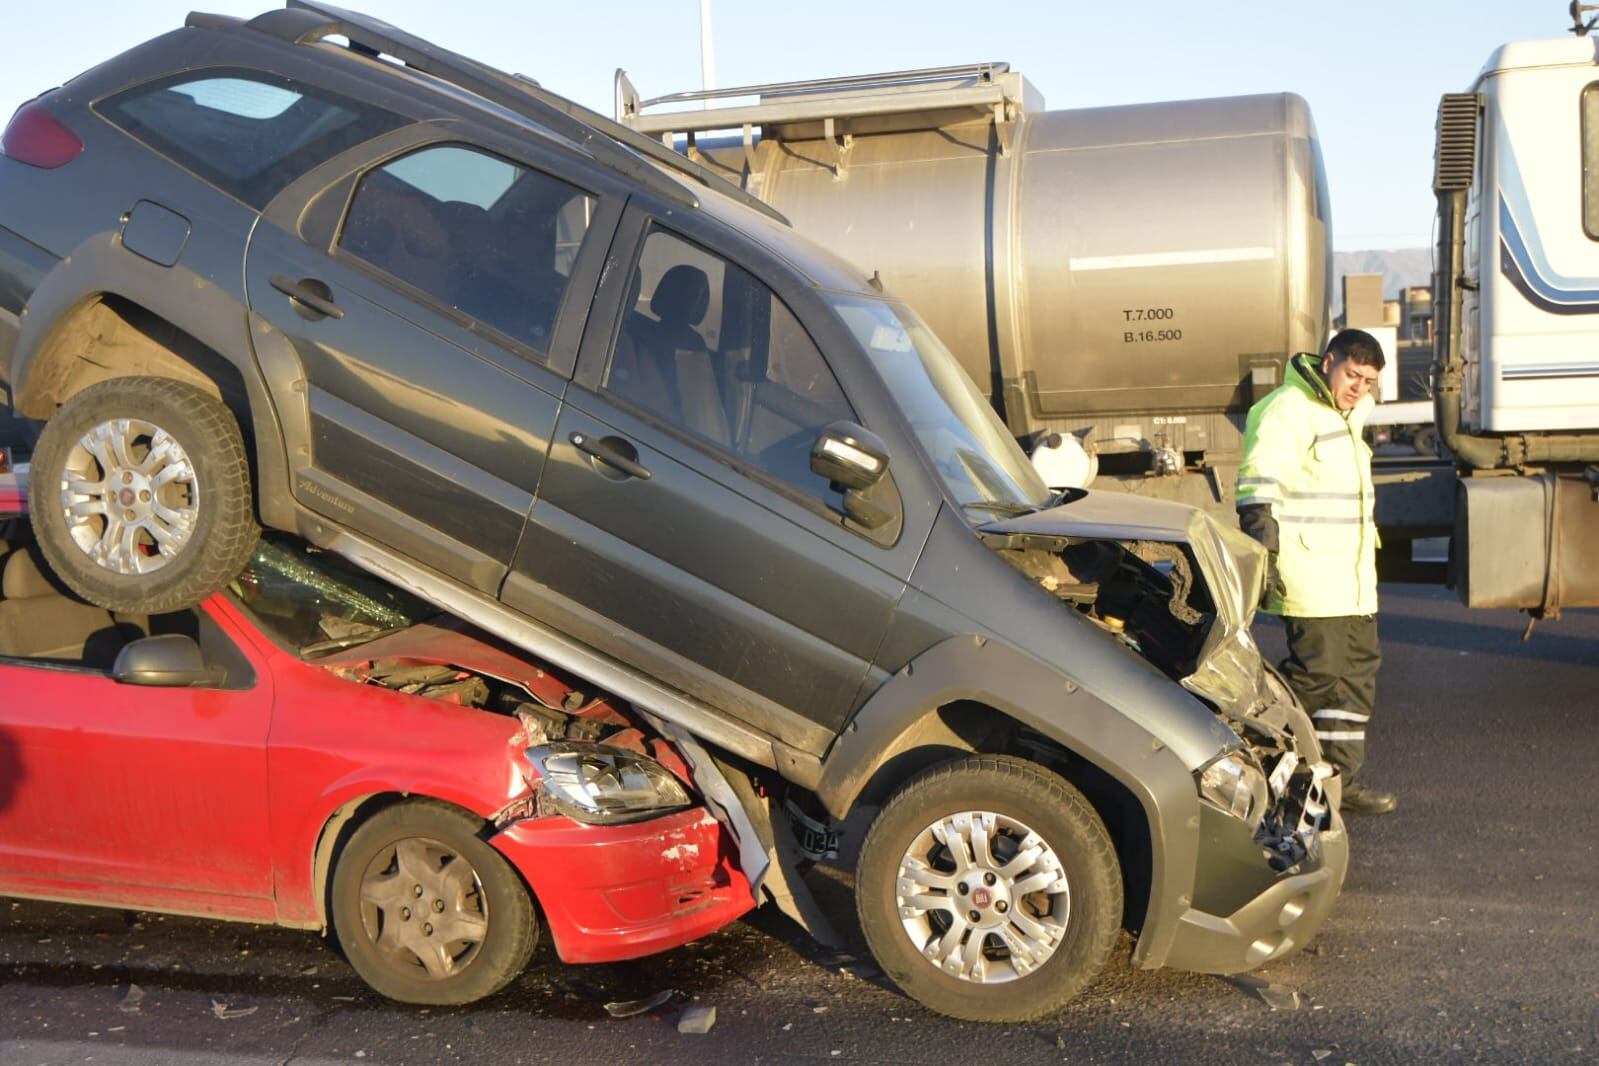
x=609 y=450
x=310 y=293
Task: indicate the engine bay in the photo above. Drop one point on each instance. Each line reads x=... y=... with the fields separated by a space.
x=1149 y=594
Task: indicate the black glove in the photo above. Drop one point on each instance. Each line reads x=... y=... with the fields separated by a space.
x=1274 y=581
x=1256 y=520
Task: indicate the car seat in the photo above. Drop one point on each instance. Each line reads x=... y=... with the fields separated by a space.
x=391 y=227
x=40 y=619
x=681 y=298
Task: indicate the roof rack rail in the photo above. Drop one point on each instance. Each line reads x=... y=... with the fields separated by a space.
x=609 y=142
x=962 y=73
x=980 y=87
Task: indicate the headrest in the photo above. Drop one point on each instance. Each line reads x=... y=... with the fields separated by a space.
x=420 y=232
x=682 y=296
x=460 y=217
x=26 y=576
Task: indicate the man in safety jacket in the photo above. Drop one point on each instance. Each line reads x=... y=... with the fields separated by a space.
x=1304 y=492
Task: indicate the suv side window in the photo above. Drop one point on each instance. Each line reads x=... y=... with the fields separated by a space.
x=491 y=239
x=707 y=348
x=249 y=133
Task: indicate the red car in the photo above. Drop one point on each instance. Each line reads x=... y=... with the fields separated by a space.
x=315 y=748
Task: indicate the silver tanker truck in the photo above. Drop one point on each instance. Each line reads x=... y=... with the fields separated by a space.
x=1125 y=281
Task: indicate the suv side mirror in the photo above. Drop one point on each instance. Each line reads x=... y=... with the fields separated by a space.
x=171 y=661
x=850 y=455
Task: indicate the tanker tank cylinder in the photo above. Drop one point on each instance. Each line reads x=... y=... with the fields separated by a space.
x=1064 y=463
x=1150 y=265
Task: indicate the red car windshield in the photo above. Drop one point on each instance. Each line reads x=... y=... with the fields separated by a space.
x=315 y=602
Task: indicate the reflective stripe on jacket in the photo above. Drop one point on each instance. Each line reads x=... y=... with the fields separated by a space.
x=1307 y=460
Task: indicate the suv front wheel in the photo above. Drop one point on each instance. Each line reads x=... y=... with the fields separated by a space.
x=140 y=495
x=989 y=890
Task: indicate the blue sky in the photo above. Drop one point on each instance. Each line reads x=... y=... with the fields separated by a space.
x=1372 y=71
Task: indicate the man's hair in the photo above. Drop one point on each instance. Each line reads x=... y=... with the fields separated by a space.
x=1358 y=345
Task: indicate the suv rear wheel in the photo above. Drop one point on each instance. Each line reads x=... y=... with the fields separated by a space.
x=989 y=890
x=140 y=495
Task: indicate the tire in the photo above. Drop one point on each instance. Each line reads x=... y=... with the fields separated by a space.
x=408 y=875
x=1003 y=799
x=107 y=450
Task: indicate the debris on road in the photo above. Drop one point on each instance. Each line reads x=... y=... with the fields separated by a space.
x=129 y=1003
x=630 y=1007
x=225 y=1010
x=697 y=1020
x=1275 y=996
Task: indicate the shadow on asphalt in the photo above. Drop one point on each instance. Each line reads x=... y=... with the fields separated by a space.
x=1546 y=645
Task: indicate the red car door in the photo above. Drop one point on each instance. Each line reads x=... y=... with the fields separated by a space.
x=138 y=795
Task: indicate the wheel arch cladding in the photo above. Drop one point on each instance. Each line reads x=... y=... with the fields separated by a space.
x=104 y=313
x=966 y=693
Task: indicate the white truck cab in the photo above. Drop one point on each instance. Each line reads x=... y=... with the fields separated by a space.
x=1516 y=358
x=1531 y=326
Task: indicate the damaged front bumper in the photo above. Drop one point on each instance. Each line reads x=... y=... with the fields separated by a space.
x=624 y=891
x=1263 y=888
x=1244 y=913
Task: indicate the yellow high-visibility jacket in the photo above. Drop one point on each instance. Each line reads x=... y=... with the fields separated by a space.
x=1307 y=460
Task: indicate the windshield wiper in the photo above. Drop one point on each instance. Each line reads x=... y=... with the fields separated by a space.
x=350 y=640
x=1001 y=507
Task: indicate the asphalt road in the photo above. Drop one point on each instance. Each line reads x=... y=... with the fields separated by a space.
x=1468 y=931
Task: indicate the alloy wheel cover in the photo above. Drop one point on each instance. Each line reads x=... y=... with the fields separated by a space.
x=130 y=496
x=983 y=897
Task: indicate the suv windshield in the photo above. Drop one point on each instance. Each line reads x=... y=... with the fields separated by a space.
x=977 y=459
x=315 y=602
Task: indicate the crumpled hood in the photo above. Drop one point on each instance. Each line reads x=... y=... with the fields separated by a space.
x=448 y=641
x=1230 y=672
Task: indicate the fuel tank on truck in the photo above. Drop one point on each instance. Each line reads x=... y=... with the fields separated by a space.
x=1141 y=272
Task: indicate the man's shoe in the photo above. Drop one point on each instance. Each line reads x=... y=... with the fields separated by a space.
x=1358 y=799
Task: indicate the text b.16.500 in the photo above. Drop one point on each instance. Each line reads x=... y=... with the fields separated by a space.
x=1148 y=335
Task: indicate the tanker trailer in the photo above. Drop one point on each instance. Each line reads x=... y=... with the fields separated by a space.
x=1130 y=278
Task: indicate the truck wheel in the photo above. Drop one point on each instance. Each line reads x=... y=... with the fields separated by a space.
x=989 y=890
x=140 y=495
x=425 y=911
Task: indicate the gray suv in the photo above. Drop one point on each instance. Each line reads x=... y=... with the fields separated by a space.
x=309 y=272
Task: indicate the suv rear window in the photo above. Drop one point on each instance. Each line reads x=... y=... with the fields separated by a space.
x=494 y=240
x=247 y=132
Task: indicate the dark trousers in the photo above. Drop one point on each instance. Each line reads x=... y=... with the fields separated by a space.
x=1332 y=668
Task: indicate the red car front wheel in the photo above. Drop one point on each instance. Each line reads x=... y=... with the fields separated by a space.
x=427 y=912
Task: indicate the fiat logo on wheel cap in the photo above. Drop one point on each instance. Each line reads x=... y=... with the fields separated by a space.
x=981 y=897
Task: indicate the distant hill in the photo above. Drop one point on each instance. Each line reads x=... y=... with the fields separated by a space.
x=1400 y=268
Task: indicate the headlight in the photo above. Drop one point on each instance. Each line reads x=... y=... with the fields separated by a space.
x=1235 y=783
x=603 y=785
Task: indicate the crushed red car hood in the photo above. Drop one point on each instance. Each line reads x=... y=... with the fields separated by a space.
x=451 y=642
x=444 y=641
